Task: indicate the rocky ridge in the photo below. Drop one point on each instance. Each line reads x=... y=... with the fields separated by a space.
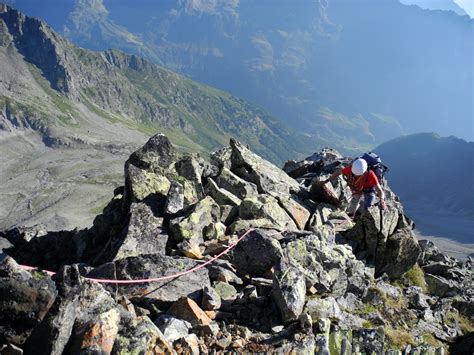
x=305 y=278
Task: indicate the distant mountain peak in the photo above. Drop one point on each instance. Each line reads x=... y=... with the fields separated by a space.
x=444 y=5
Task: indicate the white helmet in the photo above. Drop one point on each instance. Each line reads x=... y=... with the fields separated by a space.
x=359 y=166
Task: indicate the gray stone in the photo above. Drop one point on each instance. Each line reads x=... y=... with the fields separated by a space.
x=222 y=158
x=225 y=291
x=222 y=196
x=54 y=331
x=268 y=178
x=175 y=198
x=153 y=266
x=25 y=298
x=190 y=228
x=257 y=253
x=158 y=152
x=172 y=328
x=368 y=341
x=289 y=291
x=296 y=210
x=441 y=287
x=267 y=208
x=210 y=299
x=144 y=234
x=140 y=184
x=139 y=335
x=236 y=185
x=190 y=167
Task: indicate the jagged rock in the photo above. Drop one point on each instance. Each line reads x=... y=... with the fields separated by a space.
x=222 y=158
x=211 y=300
x=97 y=320
x=158 y=152
x=175 y=198
x=327 y=154
x=393 y=253
x=172 y=328
x=152 y=266
x=219 y=273
x=297 y=169
x=189 y=344
x=319 y=308
x=441 y=287
x=225 y=291
x=222 y=196
x=237 y=186
x=304 y=344
x=190 y=229
x=144 y=234
x=368 y=341
x=54 y=331
x=98 y=336
x=140 y=184
x=139 y=335
x=229 y=214
x=257 y=253
x=295 y=210
x=190 y=167
x=268 y=178
x=401 y=253
x=25 y=298
x=215 y=231
x=185 y=308
x=324 y=193
x=265 y=207
x=289 y=291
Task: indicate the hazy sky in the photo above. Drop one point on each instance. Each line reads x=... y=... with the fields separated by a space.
x=467 y=5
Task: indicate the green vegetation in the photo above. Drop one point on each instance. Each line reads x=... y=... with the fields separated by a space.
x=416 y=277
x=429 y=339
x=398 y=338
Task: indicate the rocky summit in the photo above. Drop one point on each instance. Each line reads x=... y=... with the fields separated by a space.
x=304 y=277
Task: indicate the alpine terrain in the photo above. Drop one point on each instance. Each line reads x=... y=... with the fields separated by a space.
x=70 y=116
x=300 y=277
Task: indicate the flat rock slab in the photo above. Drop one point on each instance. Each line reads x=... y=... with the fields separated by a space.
x=153 y=266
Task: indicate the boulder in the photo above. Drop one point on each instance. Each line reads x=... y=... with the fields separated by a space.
x=140 y=184
x=368 y=341
x=172 y=328
x=188 y=310
x=190 y=229
x=222 y=196
x=234 y=184
x=153 y=266
x=257 y=253
x=25 y=298
x=54 y=331
x=158 y=152
x=268 y=178
x=401 y=253
x=139 y=335
x=441 y=287
x=210 y=299
x=190 y=167
x=144 y=234
x=97 y=320
x=289 y=291
x=98 y=335
x=175 y=198
x=296 y=210
x=266 y=207
x=225 y=291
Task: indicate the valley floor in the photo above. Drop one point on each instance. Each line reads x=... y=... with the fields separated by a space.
x=452 y=234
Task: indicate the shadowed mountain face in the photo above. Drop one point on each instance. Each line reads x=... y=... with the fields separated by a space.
x=69 y=115
x=434 y=177
x=353 y=72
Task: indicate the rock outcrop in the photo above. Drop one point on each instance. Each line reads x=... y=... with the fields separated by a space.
x=305 y=278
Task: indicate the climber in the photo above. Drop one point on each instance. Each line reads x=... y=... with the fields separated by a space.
x=364 y=185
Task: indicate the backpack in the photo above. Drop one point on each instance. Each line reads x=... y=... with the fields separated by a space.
x=374 y=163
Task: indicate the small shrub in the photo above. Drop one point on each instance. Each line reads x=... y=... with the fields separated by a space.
x=416 y=277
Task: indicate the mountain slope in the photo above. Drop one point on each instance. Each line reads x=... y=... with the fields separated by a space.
x=69 y=116
x=354 y=73
x=432 y=172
